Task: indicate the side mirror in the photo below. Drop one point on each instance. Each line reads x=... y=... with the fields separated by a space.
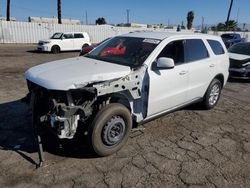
x=165 y=63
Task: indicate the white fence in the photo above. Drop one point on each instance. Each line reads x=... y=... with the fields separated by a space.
x=25 y=32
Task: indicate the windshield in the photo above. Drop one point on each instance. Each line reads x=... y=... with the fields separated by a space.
x=241 y=48
x=57 y=36
x=227 y=36
x=129 y=51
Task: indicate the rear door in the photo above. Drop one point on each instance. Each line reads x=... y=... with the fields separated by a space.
x=78 y=41
x=201 y=68
x=67 y=42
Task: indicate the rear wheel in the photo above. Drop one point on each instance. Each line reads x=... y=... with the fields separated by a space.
x=110 y=129
x=85 y=45
x=55 y=49
x=212 y=95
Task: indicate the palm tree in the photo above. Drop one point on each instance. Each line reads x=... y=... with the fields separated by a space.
x=229 y=12
x=59 y=11
x=8 y=11
x=232 y=25
x=190 y=18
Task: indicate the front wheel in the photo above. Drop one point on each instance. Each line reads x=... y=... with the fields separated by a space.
x=110 y=129
x=212 y=95
x=55 y=49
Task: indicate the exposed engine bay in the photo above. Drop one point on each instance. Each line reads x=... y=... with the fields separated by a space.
x=64 y=111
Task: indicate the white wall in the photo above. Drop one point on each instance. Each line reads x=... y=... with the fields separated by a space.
x=25 y=32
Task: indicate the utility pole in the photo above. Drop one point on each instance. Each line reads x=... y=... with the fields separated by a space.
x=86 y=17
x=59 y=11
x=128 y=12
x=8 y=11
x=229 y=12
x=202 y=24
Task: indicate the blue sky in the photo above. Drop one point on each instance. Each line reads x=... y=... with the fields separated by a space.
x=141 y=11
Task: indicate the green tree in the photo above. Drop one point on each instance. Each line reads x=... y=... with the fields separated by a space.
x=231 y=25
x=221 y=27
x=8 y=11
x=59 y=11
x=100 y=21
x=190 y=19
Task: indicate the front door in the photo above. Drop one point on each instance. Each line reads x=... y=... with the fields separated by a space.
x=168 y=87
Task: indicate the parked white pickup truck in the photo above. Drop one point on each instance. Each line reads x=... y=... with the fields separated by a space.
x=128 y=80
x=64 y=42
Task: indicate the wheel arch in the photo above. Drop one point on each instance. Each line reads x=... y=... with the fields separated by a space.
x=221 y=78
x=86 y=44
x=57 y=45
x=120 y=98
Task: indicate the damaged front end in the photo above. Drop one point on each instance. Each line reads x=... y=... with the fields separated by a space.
x=61 y=111
x=64 y=112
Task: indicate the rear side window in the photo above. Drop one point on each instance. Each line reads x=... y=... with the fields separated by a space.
x=67 y=36
x=78 y=35
x=216 y=47
x=195 y=50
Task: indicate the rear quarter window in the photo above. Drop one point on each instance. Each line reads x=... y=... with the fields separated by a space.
x=216 y=47
x=78 y=35
x=195 y=50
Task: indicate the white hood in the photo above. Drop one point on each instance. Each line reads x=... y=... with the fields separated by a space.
x=74 y=72
x=239 y=57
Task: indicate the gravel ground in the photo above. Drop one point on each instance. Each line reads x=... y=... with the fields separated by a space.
x=188 y=148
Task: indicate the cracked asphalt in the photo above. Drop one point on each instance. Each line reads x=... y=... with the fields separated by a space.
x=188 y=148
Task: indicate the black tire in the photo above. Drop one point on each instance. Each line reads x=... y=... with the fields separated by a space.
x=55 y=49
x=110 y=120
x=85 y=45
x=212 y=94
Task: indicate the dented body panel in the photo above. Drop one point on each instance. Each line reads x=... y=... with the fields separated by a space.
x=74 y=73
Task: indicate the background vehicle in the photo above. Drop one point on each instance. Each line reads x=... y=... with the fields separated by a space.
x=239 y=55
x=64 y=42
x=107 y=91
x=231 y=38
x=87 y=49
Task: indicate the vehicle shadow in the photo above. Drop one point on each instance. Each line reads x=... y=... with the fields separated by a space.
x=196 y=106
x=35 y=51
x=238 y=80
x=43 y=52
x=16 y=134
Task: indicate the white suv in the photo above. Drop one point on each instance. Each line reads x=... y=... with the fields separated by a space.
x=125 y=81
x=64 y=42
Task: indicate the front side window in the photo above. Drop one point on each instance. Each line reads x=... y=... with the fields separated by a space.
x=195 y=50
x=130 y=51
x=175 y=51
x=216 y=47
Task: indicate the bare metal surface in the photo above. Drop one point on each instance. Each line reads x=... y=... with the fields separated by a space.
x=188 y=148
